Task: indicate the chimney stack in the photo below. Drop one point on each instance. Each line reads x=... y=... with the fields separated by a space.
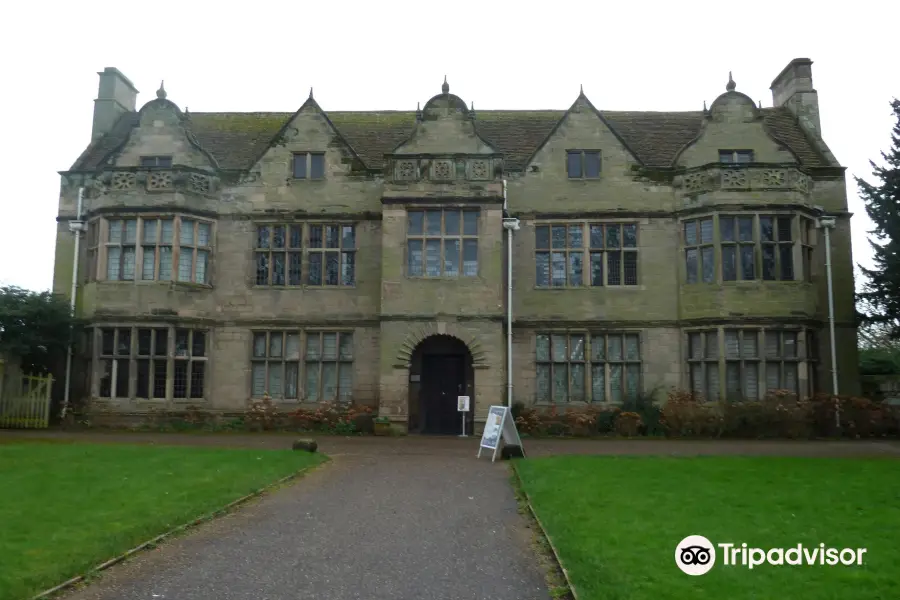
x=116 y=96
x=793 y=88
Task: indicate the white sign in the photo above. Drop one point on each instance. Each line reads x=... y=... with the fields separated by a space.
x=499 y=426
x=462 y=403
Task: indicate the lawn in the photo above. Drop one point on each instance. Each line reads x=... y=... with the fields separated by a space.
x=67 y=507
x=616 y=522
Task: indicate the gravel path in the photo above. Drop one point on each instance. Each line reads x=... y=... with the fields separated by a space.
x=364 y=526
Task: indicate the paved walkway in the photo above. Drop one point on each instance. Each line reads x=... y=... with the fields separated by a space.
x=398 y=518
x=368 y=526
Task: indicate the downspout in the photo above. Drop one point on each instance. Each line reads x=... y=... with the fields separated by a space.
x=510 y=224
x=827 y=224
x=76 y=227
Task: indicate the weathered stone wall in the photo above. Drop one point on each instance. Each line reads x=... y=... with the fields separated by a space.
x=390 y=312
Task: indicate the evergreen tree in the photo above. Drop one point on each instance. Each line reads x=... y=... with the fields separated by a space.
x=881 y=293
x=35 y=328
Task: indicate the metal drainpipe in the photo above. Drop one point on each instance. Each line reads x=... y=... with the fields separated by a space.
x=510 y=224
x=509 y=253
x=827 y=224
x=76 y=227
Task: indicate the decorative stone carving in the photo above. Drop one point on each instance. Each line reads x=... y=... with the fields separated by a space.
x=443 y=170
x=99 y=186
x=773 y=177
x=123 y=181
x=200 y=183
x=161 y=180
x=481 y=169
x=743 y=178
x=406 y=170
x=799 y=181
x=696 y=181
x=734 y=179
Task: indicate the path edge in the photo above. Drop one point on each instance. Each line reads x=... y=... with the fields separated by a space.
x=543 y=531
x=70 y=583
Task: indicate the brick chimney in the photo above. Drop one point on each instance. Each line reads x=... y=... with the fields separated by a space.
x=116 y=96
x=793 y=88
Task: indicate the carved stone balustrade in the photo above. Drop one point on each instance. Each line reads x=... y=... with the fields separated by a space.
x=736 y=178
x=174 y=179
x=444 y=169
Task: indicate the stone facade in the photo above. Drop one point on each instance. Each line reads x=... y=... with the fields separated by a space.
x=229 y=254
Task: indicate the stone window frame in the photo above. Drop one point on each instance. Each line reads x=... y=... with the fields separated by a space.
x=158 y=161
x=582 y=163
x=593 y=250
x=135 y=243
x=466 y=238
x=181 y=354
x=736 y=157
x=712 y=363
x=303 y=163
x=309 y=366
x=313 y=249
x=593 y=363
x=92 y=243
x=807 y=240
x=800 y=248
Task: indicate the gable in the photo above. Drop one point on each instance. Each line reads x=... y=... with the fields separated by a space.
x=734 y=122
x=307 y=130
x=160 y=131
x=236 y=140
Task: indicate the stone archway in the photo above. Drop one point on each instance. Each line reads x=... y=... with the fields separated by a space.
x=419 y=334
x=441 y=368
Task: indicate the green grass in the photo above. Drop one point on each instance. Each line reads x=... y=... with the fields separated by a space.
x=616 y=521
x=65 y=508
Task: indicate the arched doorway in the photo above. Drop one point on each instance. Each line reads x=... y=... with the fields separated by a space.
x=440 y=370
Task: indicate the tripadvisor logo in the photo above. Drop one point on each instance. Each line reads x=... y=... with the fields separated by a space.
x=696 y=555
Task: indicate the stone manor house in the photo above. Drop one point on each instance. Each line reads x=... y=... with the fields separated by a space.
x=362 y=255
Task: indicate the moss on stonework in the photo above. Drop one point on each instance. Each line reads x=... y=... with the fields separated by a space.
x=251 y=122
x=387 y=117
x=655 y=175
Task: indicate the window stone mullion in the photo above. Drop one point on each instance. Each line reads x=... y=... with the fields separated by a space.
x=722 y=358
x=170 y=365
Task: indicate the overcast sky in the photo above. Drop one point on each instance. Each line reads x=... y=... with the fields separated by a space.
x=264 y=56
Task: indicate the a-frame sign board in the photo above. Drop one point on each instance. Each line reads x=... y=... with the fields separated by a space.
x=498 y=428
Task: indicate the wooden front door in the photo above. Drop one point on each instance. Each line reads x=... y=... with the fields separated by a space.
x=443 y=379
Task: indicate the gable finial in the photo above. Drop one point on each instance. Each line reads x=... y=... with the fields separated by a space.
x=446 y=86
x=704 y=107
x=472 y=110
x=418 y=111
x=310 y=93
x=161 y=92
x=760 y=103
x=729 y=87
x=581 y=89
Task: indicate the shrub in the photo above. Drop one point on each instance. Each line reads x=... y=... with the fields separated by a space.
x=685 y=415
x=333 y=417
x=779 y=415
x=859 y=417
x=262 y=414
x=628 y=423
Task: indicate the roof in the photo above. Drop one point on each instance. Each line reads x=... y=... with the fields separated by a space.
x=237 y=140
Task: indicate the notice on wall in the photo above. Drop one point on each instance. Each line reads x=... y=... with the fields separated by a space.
x=498 y=428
